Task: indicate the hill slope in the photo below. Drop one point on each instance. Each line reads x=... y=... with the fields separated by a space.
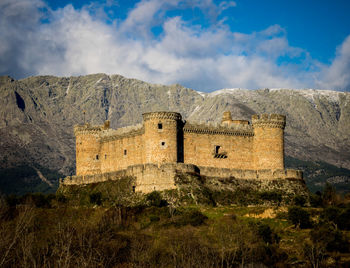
x=37 y=115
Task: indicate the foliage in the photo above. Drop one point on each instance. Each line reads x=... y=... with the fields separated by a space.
x=96 y=198
x=337 y=216
x=316 y=173
x=265 y=232
x=189 y=217
x=155 y=199
x=274 y=196
x=316 y=199
x=37 y=199
x=299 y=217
x=329 y=195
x=24 y=179
x=330 y=238
x=299 y=200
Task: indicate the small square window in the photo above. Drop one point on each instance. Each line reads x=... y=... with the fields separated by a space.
x=163 y=143
x=160 y=126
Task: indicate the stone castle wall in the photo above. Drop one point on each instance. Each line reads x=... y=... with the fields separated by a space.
x=234 y=148
x=219 y=146
x=151 y=177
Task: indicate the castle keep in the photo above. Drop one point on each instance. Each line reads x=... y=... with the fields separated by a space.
x=164 y=144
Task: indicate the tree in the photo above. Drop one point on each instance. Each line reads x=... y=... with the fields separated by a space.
x=299 y=217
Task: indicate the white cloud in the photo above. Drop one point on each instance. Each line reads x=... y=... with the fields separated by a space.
x=77 y=41
x=337 y=76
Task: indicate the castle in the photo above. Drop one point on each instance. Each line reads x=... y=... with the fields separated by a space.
x=164 y=144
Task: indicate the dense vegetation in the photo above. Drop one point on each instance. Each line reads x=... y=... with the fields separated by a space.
x=40 y=230
x=317 y=174
x=24 y=179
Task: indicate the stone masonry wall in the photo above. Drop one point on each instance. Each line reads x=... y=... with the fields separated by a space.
x=233 y=152
x=151 y=177
x=164 y=144
x=117 y=154
x=268 y=149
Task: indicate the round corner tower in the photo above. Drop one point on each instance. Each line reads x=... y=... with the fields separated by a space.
x=161 y=136
x=268 y=141
x=88 y=159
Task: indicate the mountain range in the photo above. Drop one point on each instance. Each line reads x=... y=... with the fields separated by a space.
x=37 y=115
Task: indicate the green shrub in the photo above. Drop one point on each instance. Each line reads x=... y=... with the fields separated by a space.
x=338 y=216
x=299 y=200
x=154 y=218
x=61 y=198
x=299 y=217
x=330 y=214
x=12 y=200
x=327 y=236
x=344 y=219
x=316 y=200
x=155 y=199
x=95 y=198
x=273 y=196
x=190 y=216
x=265 y=232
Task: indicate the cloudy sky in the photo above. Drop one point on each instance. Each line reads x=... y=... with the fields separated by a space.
x=201 y=44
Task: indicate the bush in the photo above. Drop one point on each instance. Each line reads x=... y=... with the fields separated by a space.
x=299 y=200
x=329 y=195
x=328 y=237
x=191 y=216
x=96 y=198
x=344 y=219
x=40 y=200
x=330 y=214
x=155 y=199
x=299 y=217
x=340 y=217
x=265 y=232
x=316 y=200
x=61 y=198
x=273 y=196
x=154 y=218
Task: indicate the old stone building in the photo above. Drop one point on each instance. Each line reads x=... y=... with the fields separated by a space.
x=164 y=144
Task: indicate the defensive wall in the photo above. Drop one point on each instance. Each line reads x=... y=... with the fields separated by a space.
x=165 y=144
x=151 y=177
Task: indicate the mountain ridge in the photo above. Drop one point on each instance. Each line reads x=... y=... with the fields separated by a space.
x=38 y=113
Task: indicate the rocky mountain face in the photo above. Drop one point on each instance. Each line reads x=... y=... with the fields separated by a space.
x=37 y=115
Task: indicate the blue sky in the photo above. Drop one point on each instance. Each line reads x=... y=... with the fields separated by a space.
x=205 y=45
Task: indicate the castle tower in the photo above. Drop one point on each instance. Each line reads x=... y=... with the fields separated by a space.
x=161 y=137
x=268 y=146
x=226 y=118
x=88 y=158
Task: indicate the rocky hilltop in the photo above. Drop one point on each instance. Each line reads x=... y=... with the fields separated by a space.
x=37 y=115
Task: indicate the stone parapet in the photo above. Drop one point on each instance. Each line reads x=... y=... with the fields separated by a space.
x=87 y=129
x=264 y=174
x=162 y=115
x=269 y=120
x=121 y=133
x=224 y=129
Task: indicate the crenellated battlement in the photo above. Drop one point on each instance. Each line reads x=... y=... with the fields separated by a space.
x=219 y=129
x=121 y=133
x=269 y=120
x=87 y=129
x=162 y=115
